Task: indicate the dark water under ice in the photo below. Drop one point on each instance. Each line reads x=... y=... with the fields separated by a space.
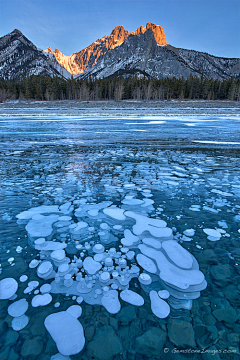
x=50 y=156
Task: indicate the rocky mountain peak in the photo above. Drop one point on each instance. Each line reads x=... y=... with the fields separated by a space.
x=157 y=30
x=16 y=31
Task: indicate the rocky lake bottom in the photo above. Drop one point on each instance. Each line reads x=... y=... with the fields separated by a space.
x=120 y=229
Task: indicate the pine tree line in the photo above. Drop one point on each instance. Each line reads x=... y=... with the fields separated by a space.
x=49 y=89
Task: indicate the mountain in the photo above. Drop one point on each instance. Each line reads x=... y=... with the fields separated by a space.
x=144 y=52
x=81 y=61
x=142 y=55
x=20 y=57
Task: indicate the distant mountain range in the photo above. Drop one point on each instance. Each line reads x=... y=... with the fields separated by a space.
x=144 y=52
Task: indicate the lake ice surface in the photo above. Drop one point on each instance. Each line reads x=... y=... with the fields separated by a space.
x=184 y=159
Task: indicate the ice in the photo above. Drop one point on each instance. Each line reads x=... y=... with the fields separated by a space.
x=93 y=246
x=43 y=209
x=18 y=308
x=145 y=279
x=20 y=322
x=171 y=273
x=45 y=270
x=189 y=232
x=178 y=254
x=158 y=306
x=146 y=263
x=129 y=238
x=41 y=300
x=41 y=228
x=75 y=311
x=155 y=227
x=91 y=266
x=131 y=297
x=110 y=302
x=34 y=263
x=152 y=242
x=115 y=213
x=8 y=288
x=50 y=246
x=66 y=331
x=163 y=294
x=45 y=289
x=213 y=235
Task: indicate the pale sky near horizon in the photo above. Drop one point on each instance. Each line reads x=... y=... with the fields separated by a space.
x=210 y=26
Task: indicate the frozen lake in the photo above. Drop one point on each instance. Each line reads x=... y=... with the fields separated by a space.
x=104 y=171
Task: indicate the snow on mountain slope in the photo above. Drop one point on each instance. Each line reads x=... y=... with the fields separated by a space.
x=85 y=59
x=20 y=57
x=142 y=53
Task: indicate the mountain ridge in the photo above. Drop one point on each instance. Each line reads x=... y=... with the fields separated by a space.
x=144 y=52
x=79 y=62
x=20 y=57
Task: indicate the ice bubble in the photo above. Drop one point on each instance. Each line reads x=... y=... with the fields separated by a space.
x=159 y=307
x=66 y=331
x=223 y=224
x=129 y=239
x=170 y=273
x=41 y=228
x=189 y=232
x=63 y=269
x=23 y=278
x=178 y=254
x=185 y=238
x=131 y=297
x=20 y=322
x=108 y=261
x=110 y=302
x=213 y=235
x=91 y=266
x=115 y=213
x=58 y=256
x=34 y=263
x=57 y=304
x=33 y=284
x=145 y=279
x=43 y=209
x=41 y=300
x=163 y=294
x=212 y=232
x=75 y=311
x=8 y=288
x=98 y=248
x=40 y=241
x=146 y=263
x=79 y=299
x=129 y=200
x=104 y=277
x=117 y=227
x=155 y=227
x=46 y=288
x=68 y=281
x=152 y=242
x=18 y=308
x=44 y=269
x=19 y=249
x=130 y=255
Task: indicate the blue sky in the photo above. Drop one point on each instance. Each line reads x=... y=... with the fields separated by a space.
x=70 y=25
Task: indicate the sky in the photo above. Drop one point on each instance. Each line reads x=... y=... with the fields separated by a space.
x=211 y=26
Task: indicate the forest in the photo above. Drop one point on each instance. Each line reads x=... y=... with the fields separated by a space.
x=116 y=88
